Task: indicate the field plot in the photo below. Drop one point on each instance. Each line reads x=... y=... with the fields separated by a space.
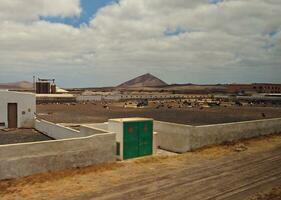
x=219 y=172
x=89 y=113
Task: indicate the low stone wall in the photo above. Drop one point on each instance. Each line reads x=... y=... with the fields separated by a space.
x=57 y=131
x=88 y=130
x=88 y=98
x=173 y=137
x=19 y=160
x=43 y=99
x=220 y=133
x=182 y=138
x=99 y=126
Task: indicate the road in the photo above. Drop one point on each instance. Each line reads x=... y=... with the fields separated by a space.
x=212 y=173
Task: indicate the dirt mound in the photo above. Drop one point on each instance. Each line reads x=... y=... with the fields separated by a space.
x=25 y=85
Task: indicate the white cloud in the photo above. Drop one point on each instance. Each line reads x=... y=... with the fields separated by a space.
x=216 y=34
x=235 y=40
x=26 y=10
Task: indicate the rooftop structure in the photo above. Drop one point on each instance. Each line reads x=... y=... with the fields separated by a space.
x=45 y=86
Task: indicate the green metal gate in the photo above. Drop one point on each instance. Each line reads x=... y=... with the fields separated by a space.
x=131 y=140
x=145 y=138
x=138 y=139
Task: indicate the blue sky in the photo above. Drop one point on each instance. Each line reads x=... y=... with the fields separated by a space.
x=89 y=8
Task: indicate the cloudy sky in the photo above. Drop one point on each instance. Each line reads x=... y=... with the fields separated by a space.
x=105 y=42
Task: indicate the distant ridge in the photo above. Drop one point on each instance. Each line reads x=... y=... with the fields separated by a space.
x=146 y=80
x=21 y=85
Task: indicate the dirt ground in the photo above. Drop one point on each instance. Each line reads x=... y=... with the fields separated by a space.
x=90 y=112
x=273 y=194
x=21 y=136
x=249 y=170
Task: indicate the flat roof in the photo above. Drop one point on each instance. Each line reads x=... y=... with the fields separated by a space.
x=16 y=92
x=55 y=95
x=132 y=119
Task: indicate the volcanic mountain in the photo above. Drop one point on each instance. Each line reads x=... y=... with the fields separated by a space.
x=22 y=85
x=146 y=80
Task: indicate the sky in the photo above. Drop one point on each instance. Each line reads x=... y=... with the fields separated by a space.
x=94 y=43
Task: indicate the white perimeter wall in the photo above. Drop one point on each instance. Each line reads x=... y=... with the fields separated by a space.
x=98 y=97
x=88 y=98
x=58 y=131
x=217 y=134
x=182 y=138
x=101 y=126
x=118 y=128
x=119 y=97
x=173 y=137
x=26 y=107
x=18 y=160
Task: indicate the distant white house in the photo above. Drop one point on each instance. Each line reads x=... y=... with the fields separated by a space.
x=17 y=109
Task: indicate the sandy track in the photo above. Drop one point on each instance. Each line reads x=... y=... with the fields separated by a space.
x=212 y=173
x=228 y=178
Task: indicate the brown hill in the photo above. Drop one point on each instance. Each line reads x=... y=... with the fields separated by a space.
x=21 y=85
x=146 y=80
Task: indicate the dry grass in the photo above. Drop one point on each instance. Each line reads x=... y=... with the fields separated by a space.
x=8 y=186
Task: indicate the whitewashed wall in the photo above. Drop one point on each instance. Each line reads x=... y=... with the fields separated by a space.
x=19 y=160
x=56 y=131
x=26 y=107
x=182 y=138
x=118 y=97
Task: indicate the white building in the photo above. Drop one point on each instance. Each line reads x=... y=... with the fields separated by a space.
x=17 y=109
